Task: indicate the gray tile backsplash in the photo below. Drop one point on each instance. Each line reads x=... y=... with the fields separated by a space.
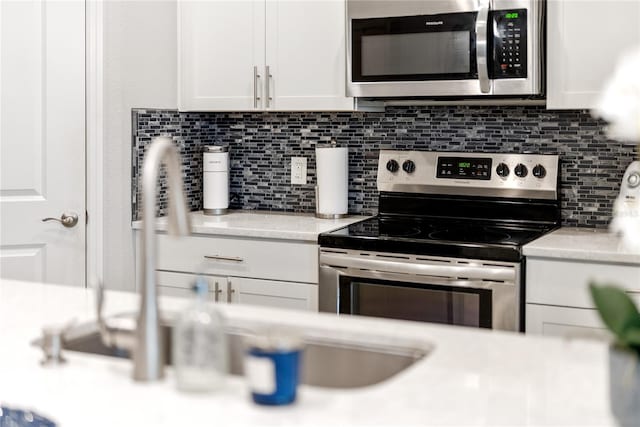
x=261 y=145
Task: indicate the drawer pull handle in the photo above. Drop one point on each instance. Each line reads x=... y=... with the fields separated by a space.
x=224 y=258
x=230 y=291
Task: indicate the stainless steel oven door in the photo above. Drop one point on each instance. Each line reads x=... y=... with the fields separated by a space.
x=443 y=48
x=453 y=291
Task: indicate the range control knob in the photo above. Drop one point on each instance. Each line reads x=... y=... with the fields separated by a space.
x=502 y=170
x=408 y=166
x=633 y=180
x=392 y=166
x=521 y=170
x=539 y=171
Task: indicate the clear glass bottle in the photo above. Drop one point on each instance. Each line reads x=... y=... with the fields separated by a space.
x=199 y=344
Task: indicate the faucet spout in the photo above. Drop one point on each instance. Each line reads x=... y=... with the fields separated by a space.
x=148 y=357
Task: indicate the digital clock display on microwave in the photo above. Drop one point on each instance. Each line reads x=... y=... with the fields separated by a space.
x=464 y=168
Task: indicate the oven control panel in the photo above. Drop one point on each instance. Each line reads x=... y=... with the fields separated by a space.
x=478 y=174
x=464 y=168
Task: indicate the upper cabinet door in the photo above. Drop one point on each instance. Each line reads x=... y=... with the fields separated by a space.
x=220 y=55
x=306 y=55
x=585 y=39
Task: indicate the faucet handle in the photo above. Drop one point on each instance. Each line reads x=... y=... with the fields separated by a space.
x=52 y=342
x=111 y=336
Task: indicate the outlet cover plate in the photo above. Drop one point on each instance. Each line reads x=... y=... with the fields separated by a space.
x=298 y=170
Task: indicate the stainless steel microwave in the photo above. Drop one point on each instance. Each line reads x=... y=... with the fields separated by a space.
x=445 y=48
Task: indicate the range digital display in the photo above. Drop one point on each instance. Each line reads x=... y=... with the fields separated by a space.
x=464 y=168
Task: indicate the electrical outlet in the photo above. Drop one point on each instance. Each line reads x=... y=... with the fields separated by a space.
x=298 y=170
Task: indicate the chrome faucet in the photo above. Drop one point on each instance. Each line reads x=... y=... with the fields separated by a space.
x=146 y=345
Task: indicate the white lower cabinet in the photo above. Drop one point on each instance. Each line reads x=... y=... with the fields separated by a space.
x=180 y=285
x=558 y=301
x=567 y=322
x=263 y=272
x=272 y=293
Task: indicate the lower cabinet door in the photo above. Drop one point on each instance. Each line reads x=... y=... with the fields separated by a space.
x=180 y=285
x=240 y=290
x=273 y=293
x=565 y=322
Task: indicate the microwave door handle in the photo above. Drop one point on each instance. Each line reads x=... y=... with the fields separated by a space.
x=481 y=46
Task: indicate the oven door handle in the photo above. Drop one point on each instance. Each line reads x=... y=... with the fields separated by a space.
x=433 y=281
x=480 y=272
x=482 y=47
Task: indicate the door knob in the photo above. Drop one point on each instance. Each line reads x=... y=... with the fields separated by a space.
x=68 y=219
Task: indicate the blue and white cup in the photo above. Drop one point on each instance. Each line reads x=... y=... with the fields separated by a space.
x=272 y=367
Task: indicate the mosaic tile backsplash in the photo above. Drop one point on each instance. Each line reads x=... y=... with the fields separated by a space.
x=261 y=145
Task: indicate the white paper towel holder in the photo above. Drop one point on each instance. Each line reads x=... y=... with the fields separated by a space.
x=327 y=216
x=333 y=144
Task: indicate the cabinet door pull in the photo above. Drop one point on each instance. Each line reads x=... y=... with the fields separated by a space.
x=224 y=258
x=230 y=291
x=481 y=42
x=216 y=291
x=256 y=76
x=268 y=76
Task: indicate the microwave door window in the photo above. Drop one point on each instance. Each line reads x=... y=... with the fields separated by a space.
x=416 y=54
x=414 y=48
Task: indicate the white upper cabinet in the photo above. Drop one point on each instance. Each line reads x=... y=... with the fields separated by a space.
x=284 y=55
x=305 y=55
x=220 y=47
x=585 y=39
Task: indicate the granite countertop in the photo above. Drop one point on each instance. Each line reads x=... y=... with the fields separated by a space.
x=472 y=377
x=262 y=224
x=583 y=244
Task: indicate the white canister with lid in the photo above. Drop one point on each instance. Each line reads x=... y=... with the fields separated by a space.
x=215 y=180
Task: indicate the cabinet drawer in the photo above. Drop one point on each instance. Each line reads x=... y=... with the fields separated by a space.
x=566 y=283
x=266 y=259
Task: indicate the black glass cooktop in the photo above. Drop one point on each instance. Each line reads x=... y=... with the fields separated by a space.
x=438 y=237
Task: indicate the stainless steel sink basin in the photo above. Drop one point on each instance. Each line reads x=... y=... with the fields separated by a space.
x=326 y=362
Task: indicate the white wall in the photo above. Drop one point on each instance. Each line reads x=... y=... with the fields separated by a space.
x=140 y=71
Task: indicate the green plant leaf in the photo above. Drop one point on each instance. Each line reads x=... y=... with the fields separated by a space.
x=632 y=337
x=618 y=312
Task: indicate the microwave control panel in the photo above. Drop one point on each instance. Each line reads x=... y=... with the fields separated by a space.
x=509 y=37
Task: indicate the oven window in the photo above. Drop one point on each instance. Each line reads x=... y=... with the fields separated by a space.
x=416 y=53
x=408 y=301
x=414 y=48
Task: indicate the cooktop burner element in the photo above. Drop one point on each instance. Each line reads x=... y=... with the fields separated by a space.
x=465 y=205
x=397 y=229
x=470 y=233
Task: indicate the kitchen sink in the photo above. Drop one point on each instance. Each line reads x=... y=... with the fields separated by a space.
x=326 y=362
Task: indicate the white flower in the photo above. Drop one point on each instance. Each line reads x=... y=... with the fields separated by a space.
x=619 y=104
x=626 y=219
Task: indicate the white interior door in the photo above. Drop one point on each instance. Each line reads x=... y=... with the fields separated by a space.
x=42 y=134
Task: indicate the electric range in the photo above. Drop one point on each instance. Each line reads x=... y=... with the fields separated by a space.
x=446 y=245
